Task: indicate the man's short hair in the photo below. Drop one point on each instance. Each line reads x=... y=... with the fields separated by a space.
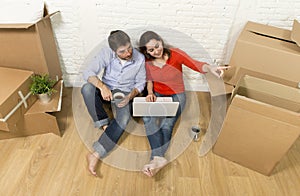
x=117 y=38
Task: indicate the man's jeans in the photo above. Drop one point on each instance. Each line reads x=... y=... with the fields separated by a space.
x=110 y=137
x=159 y=129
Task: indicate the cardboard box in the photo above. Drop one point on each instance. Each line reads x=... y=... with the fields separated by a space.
x=295 y=36
x=262 y=123
x=15 y=97
x=40 y=118
x=266 y=52
x=30 y=47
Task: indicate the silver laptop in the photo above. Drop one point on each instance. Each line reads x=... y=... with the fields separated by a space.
x=164 y=106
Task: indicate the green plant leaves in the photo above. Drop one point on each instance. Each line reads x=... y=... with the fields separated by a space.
x=42 y=84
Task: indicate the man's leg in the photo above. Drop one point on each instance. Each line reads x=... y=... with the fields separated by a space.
x=94 y=103
x=113 y=132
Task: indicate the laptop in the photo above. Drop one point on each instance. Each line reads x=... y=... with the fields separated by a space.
x=164 y=106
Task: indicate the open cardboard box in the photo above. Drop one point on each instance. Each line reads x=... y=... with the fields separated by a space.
x=266 y=52
x=262 y=123
x=15 y=97
x=39 y=118
x=30 y=47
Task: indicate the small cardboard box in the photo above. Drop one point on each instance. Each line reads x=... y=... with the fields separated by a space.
x=262 y=123
x=266 y=52
x=15 y=97
x=40 y=118
x=30 y=47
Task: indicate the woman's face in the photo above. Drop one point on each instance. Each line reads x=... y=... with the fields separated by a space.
x=155 y=48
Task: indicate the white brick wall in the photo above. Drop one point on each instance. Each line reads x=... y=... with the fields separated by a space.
x=206 y=29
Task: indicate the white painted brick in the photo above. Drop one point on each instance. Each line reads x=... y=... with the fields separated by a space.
x=213 y=24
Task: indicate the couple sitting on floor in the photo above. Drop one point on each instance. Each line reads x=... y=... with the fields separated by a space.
x=155 y=65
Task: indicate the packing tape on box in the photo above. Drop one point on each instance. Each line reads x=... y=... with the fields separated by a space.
x=23 y=101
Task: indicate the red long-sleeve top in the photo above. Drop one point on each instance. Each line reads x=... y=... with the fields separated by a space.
x=168 y=80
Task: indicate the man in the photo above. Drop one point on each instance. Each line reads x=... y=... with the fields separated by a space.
x=123 y=70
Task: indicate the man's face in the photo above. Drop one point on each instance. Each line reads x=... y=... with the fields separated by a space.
x=125 y=52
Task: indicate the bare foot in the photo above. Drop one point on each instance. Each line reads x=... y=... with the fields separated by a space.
x=104 y=127
x=92 y=159
x=154 y=166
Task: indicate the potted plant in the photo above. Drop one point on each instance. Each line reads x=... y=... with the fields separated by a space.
x=42 y=86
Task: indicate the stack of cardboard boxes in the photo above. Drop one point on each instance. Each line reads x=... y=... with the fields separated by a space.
x=27 y=49
x=263 y=119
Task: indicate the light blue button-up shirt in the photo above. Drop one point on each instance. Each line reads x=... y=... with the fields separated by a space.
x=115 y=75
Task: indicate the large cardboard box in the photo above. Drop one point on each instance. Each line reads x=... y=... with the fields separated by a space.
x=15 y=97
x=263 y=118
x=262 y=123
x=30 y=47
x=40 y=118
x=266 y=52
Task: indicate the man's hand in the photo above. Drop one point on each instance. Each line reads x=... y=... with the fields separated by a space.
x=124 y=101
x=106 y=93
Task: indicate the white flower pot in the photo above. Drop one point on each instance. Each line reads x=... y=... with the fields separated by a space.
x=44 y=98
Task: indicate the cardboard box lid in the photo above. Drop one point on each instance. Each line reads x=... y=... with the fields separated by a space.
x=296 y=32
x=268 y=31
x=10 y=80
x=267 y=52
x=269 y=36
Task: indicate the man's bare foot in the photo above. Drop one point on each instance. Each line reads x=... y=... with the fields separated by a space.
x=154 y=166
x=104 y=127
x=92 y=159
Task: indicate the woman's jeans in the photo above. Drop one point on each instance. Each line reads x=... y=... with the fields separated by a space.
x=110 y=137
x=159 y=129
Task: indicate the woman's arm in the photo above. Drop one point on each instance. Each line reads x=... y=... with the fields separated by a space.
x=151 y=96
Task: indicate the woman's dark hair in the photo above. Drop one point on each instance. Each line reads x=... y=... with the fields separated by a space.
x=145 y=38
x=118 y=38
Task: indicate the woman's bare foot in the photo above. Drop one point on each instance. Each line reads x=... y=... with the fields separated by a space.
x=92 y=159
x=154 y=166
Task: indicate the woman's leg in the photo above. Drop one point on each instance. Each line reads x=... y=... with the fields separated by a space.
x=168 y=123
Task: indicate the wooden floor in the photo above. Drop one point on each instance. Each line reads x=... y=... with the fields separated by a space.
x=51 y=165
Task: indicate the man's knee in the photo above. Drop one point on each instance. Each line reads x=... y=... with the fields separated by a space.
x=88 y=89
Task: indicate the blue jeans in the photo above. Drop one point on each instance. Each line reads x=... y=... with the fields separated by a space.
x=159 y=129
x=110 y=137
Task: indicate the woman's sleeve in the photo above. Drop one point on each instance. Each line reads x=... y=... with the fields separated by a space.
x=189 y=61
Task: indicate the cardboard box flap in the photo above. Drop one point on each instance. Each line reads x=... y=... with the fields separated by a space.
x=269 y=36
x=25 y=26
x=269 y=52
x=11 y=80
x=266 y=110
x=276 y=90
x=15 y=26
x=268 y=31
x=273 y=97
x=53 y=106
x=296 y=32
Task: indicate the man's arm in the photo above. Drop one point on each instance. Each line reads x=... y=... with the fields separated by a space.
x=105 y=91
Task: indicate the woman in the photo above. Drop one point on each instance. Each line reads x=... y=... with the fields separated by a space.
x=165 y=79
